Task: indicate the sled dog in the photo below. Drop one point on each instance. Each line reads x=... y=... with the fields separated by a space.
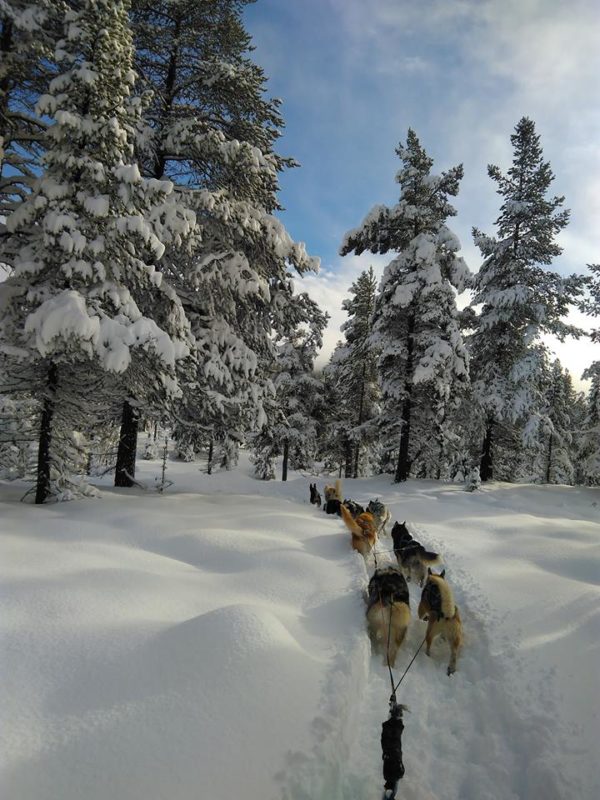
x=354 y=508
x=315 y=497
x=388 y=612
x=381 y=513
x=333 y=498
x=364 y=533
x=411 y=555
x=437 y=606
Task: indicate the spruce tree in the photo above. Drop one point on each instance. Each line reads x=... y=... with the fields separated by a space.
x=423 y=364
x=211 y=130
x=291 y=425
x=353 y=368
x=85 y=302
x=28 y=34
x=520 y=298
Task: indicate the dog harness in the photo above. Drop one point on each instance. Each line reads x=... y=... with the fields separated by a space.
x=433 y=596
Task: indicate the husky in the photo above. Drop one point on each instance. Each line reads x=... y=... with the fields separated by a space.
x=333 y=498
x=315 y=497
x=388 y=612
x=363 y=530
x=437 y=606
x=381 y=513
x=354 y=508
x=411 y=555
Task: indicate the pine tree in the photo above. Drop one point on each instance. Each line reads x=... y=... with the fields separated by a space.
x=85 y=300
x=353 y=367
x=291 y=427
x=560 y=412
x=423 y=363
x=589 y=440
x=520 y=298
x=28 y=33
x=211 y=130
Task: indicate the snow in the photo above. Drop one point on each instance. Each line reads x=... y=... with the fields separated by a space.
x=209 y=641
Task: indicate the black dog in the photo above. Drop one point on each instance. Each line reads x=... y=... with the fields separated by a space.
x=315 y=497
x=388 y=585
x=332 y=506
x=411 y=556
x=354 y=508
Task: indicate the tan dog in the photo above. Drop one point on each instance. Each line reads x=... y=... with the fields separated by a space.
x=333 y=492
x=437 y=606
x=388 y=612
x=363 y=530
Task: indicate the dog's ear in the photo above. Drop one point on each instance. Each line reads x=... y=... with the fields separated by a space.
x=442 y=573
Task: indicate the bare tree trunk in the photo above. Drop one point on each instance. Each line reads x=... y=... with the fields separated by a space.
x=486 y=467
x=43 y=465
x=125 y=470
x=549 y=461
x=403 y=465
x=286 y=453
x=211 y=448
x=348 y=459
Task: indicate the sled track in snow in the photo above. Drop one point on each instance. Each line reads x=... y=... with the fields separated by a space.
x=465 y=736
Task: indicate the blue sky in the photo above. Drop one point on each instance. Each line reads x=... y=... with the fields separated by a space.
x=354 y=75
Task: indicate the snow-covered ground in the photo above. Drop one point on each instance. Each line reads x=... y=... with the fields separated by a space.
x=209 y=643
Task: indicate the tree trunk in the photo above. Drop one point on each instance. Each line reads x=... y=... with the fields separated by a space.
x=125 y=471
x=486 y=470
x=43 y=465
x=356 y=460
x=361 y=405
x=549 y=462
x=286 y=453
x=211 y=448
x=348 y=459
x=403 y=465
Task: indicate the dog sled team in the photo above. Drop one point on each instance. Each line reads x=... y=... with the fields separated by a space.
x=388 y=610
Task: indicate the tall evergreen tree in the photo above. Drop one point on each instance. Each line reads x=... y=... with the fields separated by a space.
x=85 y=299
x=291 y=425
x=521 y=299
x=590 y=439
x=353 y=368
x=28 y=33
x=423 y=362
x=210 y=129
x=560 y=415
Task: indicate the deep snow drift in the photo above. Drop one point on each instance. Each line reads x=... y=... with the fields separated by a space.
x=209 y=642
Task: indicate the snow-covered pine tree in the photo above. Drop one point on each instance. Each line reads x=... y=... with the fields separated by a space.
x=292 y=415
x=521 y=299
x=589 y=440
x=85 y=299
x=28 y=33
x=211 y=130
x=589 y=450
x=423 y=365
x=560 y=416
x=353 y=368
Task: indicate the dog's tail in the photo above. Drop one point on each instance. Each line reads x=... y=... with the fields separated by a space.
x=429 y=558
x=350 y=522
x=338 y=490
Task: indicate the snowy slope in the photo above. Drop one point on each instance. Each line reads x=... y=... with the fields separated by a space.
x=210 y=643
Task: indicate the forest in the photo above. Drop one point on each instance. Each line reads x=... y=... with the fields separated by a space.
x=149 y=284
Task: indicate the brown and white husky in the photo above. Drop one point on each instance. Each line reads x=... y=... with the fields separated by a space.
x=363 y=530
x=388 y=612
x=437 y=606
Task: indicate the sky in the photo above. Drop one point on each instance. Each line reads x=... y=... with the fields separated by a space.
x=354 y=75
